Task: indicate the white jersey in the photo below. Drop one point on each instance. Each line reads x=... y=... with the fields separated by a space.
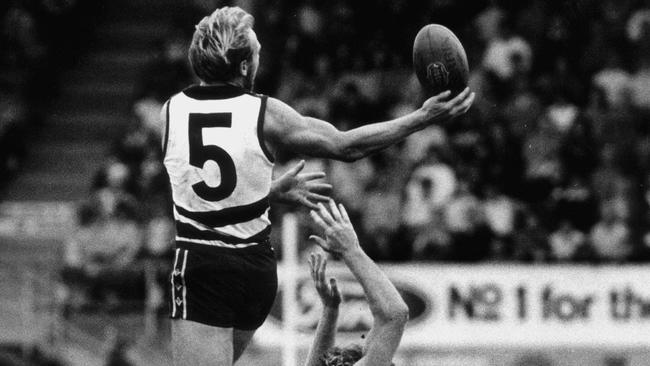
x=219 y=168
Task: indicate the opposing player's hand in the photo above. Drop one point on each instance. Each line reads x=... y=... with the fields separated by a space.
x=340 y=237
x=298 y=188
x=329 y=292
x=440 y=108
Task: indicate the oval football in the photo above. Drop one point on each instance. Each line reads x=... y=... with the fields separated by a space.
x=439 y=60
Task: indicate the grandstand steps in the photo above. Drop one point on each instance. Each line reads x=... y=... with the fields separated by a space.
x=91 y=128
x=107 y=85
x=131 y=31
x=102 y=99
x=93 y=105
x=49 y=186
x=89 y=73
x=76 y=156
x=112 y=62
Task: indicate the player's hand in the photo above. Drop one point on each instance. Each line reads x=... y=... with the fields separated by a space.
x=329 y=293
x=439 y=109
x=340 y=237
x=298 y=188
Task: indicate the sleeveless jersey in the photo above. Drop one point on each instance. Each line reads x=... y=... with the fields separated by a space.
x=219 y=168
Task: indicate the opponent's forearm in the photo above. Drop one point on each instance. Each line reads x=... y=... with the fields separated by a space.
x=386 y=304
x=325 y=335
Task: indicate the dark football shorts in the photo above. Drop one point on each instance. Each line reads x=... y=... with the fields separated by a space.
x=223 y=287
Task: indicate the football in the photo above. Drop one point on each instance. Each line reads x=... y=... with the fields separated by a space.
x=439 y=60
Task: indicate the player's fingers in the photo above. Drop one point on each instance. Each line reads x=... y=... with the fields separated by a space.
x=318 y=220
x=344 y=213
x=315 y=197
x=319 y=187
x=320 y=241
x=463 y=107
x=312 y=176
x=325 y=214
x=319 y=272
x=322 y=269
x=312 y=263
x=335 y=211
x=307 y=203
x=442 y=96
x=460 y=97
x=335 y=287
x=296 y=168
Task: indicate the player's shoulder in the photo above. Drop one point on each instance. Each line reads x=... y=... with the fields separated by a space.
x=277 y=109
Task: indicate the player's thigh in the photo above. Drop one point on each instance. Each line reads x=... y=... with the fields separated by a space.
x=201 y=345
x=240 y=340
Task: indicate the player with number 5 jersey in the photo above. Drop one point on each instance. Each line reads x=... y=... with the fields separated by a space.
x=219 y=146
x=219 y=171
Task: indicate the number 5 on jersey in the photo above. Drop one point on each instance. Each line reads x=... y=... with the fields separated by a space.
x=200 y=153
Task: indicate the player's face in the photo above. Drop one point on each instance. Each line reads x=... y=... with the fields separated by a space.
x=249 y=80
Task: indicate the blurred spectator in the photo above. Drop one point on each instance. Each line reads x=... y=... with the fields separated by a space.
x=464 y=217
x=351 y=181
x=575 y=203
x=639 y=81
x=168 y=72
x=507 y=51
x=530 y=240
x=118 y=355
x=543 y=166
x=500 y=212
x=565 y=242
x=610 y=236
x=430 y=187
x=380 y=229
x=13 y=123
x=488 y=22
x=100 y=256
x=638 y=25
x=613 y=80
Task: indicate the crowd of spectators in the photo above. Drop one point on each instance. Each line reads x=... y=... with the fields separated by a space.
x=552 y=164
x=120 y=253
x=38 y=39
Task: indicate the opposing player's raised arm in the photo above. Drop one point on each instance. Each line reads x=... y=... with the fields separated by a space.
x=331 y=299
x=287 y=129
x=389 y=310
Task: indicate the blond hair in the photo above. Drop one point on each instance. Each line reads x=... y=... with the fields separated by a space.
x=220 y=43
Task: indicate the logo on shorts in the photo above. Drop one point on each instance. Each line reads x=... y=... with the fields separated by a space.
x=437 y=74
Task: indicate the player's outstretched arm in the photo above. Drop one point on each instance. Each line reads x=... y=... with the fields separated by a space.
x=331 y=299
x=389 y=310
x=286 y=129
x=297 y=188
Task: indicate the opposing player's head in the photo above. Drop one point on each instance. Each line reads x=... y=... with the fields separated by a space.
x=342 y=356
x=225 y=48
